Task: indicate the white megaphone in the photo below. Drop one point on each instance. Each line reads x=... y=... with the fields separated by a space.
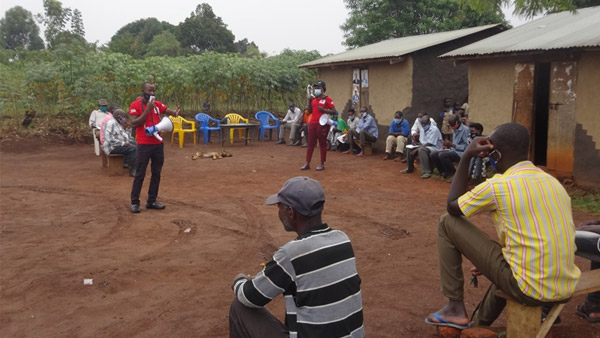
x=164 y=125
x=325 y=119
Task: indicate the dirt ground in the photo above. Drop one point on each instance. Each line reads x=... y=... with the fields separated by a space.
x=63 y=219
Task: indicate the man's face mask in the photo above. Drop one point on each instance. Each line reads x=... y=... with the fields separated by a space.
x=318 y=92
x=103 y=109
x=363 y=114
x=426 y=128
x=398 y=120
x=147 y=96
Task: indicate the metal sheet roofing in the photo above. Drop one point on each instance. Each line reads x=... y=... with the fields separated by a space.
x=555 y=31
x=395 y=47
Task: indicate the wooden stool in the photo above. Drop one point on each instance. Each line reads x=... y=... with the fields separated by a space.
x=368 y=149
x=524 y=321
x=104 y=159
x=115 y=165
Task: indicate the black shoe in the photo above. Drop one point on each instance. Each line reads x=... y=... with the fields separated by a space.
x=306 y=166
x=155 y=205
x=297 y=143
x=281 y=141
x=135 y=208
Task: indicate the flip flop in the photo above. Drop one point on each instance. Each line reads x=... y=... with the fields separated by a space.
x=442 y=322
x=581 y=311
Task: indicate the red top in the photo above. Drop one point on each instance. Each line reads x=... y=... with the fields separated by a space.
x=137 y=108
x=326 y=103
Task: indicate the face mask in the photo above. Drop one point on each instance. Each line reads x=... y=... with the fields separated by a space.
x=426 y=128
x=397 y=121
x=318 y=92
x=103 y=109
x=351 y=118
x=363 y=114
x=147 y=96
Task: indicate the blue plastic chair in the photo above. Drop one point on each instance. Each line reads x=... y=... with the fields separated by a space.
x=263 y=118
x=205 y=128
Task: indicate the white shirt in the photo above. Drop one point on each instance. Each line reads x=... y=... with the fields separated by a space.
x=293 y=116
x=353 y=124
x=417 y=125
x=96 y=118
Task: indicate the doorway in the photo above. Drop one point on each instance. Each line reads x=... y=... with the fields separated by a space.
x=541 y=98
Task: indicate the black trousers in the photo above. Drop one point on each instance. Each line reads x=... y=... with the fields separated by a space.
x=145 y=153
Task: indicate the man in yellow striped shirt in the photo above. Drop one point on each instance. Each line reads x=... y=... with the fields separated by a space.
x=534 y=261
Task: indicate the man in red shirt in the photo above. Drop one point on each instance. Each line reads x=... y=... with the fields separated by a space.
x=319 y=105
x=145 y=112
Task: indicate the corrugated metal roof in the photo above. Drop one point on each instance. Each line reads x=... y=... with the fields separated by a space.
x=396 y=47
x=555 y=31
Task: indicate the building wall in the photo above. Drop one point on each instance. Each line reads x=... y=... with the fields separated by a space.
x=339 y=85
x=491 y=84
x=587 y=117
x=390 y=89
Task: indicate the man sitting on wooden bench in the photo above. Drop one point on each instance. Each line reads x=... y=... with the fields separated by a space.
x=118 y=141
x=534 y=261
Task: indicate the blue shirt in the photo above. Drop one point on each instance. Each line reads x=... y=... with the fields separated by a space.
x=432 y=136
x=368 y=124
x=461 y=139
x=403 y=127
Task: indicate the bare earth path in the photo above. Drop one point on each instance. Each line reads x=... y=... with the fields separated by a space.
x=62 y=219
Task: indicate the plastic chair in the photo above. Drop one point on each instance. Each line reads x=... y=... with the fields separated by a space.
x=205 y=128
x=235 y=119
x=263 y=118
x=179 y=124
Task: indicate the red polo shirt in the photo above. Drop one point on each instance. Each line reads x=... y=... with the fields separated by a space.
x=137 y=108
x=326 y=103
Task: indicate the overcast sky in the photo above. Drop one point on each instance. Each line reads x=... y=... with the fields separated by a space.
x=272 y=24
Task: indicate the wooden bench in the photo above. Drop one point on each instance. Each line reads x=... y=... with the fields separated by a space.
x=367 y=149
x=115 y=165
x=525 y=321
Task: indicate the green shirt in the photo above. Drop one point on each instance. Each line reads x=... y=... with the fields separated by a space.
x=342 y=126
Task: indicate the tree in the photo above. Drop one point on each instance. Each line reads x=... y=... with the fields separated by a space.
x=372 y=21
x=55 y=19
x=77 y=24
x=18 y=29
x=531 y=8
x=164 y=44
x=247 y=49
x=133 y=39
x=204 y=31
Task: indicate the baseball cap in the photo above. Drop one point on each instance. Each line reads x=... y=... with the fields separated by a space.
x=320 y=84
x=302 y=193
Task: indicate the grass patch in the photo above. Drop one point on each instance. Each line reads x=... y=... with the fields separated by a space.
x=585 y=201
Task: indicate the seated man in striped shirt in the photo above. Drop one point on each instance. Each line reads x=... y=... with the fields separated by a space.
x=534 y=262
x=316 y=273
x=117 y=140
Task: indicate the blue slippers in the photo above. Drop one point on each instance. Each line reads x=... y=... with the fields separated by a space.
x=441 y=322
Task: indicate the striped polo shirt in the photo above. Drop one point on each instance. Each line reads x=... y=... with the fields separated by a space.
x=532 y=215
x=317 y=275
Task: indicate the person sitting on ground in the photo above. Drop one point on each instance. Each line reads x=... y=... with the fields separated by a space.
x=431 y=140
x=336 y=131
x=95 y=121
x=366 y=132
x=451 y=150
x=399 y=131
x=291 y=121
x=476 y=164
x=534 y=261
x=414 y=130
x=316 y=273
x=118 y=141
x=587 y=240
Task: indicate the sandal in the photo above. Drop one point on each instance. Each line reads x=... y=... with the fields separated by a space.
x=586 y=309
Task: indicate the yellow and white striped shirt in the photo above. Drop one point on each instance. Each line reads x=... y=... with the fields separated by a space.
x=532 y=215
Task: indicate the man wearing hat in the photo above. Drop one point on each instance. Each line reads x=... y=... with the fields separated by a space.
x=319 y=105
x=316 y=273
x=96 y=118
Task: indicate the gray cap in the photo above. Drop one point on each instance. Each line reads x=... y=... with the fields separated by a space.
x=102 y=102
x=302 y=193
